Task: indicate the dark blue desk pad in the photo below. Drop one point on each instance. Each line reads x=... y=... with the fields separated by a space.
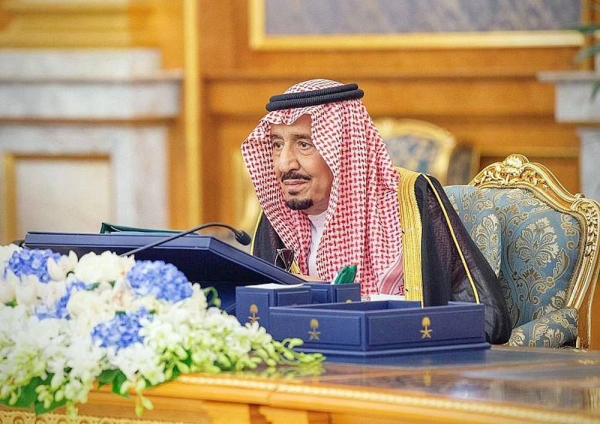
x=203 y=259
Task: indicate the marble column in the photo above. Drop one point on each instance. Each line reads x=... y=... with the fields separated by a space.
x=83 y=138
x=574 y=104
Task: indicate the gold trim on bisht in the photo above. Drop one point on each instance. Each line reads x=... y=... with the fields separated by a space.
x=410 y=220
x=517 y=172
x=455 y=240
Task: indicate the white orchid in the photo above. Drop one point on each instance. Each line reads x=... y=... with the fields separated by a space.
x=67 y=323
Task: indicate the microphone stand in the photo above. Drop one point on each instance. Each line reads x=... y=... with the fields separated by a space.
x=241 y=236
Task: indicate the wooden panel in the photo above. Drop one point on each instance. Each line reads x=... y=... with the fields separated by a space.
x=233 y=182
x=489 y=97
x=450 y=96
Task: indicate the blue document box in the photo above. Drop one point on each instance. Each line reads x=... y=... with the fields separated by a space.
x=380 y=327
x=334 y=293
x=252 y=303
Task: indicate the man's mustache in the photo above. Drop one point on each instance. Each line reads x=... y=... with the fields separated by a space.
x=294 y=176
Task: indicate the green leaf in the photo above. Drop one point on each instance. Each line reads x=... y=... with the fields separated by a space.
x=587 y=52
x=586 y=28
x=212 y=297
x=176 y=373
x=107 y=377
x=595 y=89
x=118 y=382
x=28 y=394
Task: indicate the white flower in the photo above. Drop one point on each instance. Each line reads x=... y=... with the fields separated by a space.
x=58 y=270
x=107 y=267
x=26 y=288
x=51 y=292
x=5 y=254
x=88 y=308
x=7 y=291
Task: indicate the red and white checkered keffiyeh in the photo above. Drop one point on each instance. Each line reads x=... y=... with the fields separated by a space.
x=362 y=224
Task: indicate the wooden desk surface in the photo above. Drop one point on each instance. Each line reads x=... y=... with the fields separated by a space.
x=512 y=385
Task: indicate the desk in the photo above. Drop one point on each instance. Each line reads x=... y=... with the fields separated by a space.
x=499 y=385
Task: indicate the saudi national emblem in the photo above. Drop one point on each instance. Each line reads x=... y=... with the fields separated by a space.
x=313 y=333
x=426 y=331
x=253 y=314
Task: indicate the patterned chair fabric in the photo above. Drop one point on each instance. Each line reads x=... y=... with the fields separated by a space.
x=545 y=252
x=425 y=147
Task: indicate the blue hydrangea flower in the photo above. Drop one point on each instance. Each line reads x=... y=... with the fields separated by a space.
x=163 y=281
x=31 y=262
x=123 y=330
x=59 y=309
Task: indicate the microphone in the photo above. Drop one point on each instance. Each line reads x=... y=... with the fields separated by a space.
x=241 y=237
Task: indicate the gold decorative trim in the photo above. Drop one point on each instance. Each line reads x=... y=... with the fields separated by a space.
x=23 y=417
x=411 y=235
x=256 y=383
x=193 y=114
x=259 y=40
x=9 y=212
x=571 y=153
x=448 y=405
x=260 y=214
x=455 y=240
x=517 y=172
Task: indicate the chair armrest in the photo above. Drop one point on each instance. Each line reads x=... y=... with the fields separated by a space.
x=555 y=329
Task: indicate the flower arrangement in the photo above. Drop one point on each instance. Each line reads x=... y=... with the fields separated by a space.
x=71 y=324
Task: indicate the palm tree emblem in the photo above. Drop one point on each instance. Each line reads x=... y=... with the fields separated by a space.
x=426 y=331
x=313 y=333
x=253 y=313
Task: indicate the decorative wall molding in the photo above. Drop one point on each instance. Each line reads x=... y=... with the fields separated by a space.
x=121 y=112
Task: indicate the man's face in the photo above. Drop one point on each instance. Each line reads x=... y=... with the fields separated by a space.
x=304 y=176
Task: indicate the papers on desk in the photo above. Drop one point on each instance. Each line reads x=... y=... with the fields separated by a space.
x=381 y=296
x=274 y=286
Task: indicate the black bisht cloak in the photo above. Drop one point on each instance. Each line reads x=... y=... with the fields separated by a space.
x=443 y=272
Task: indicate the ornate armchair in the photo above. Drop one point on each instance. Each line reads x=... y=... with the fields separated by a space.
x=424 y=147
x=542 y=241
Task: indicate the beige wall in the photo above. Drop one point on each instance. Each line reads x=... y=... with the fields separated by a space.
x=488 y=97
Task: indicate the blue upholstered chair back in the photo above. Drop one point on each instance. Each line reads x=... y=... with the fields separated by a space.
x=425 y=147
x=538 y=247
x=532 y=248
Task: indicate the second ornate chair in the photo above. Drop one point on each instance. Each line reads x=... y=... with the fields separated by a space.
x=542 y=241
x=425 y=147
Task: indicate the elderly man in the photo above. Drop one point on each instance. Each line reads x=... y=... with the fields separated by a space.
x=330 y=194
